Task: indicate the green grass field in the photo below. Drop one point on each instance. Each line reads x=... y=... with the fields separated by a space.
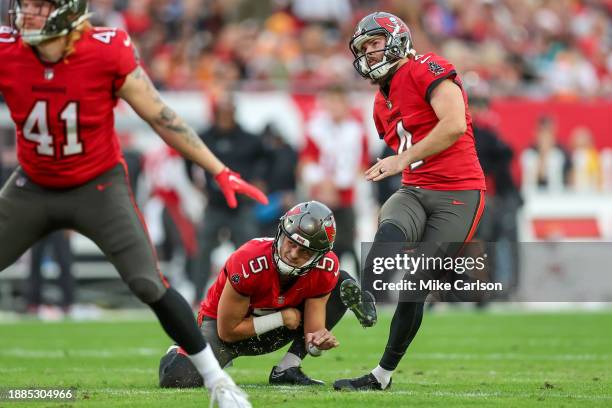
x=459 y=359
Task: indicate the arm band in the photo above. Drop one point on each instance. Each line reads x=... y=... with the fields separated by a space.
x=269 y=322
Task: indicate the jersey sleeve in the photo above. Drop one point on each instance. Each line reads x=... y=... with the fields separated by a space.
x=7 y=40
x=237 y=270
x=327 y=273
x=430 y=71
x=126 y=57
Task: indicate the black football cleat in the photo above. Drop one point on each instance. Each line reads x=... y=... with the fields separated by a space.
x=291 y=376
x=361 y=302
x=365 y=383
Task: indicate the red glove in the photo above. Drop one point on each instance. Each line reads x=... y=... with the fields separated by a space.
x=231 y=183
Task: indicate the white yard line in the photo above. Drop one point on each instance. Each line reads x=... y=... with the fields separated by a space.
x=94 y=353
x=147 y=351
x=308 y=392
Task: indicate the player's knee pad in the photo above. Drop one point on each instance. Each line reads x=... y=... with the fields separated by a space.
x=147 y=290
x=389 y=232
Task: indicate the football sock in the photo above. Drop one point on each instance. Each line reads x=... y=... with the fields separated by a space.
x=383 y=376
x=404 y=326
x=208 y=367
x=288 y=361
x=388 y=241
x=177 y=319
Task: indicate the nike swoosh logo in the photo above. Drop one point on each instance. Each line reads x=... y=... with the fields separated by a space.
x=276 y=375
x=233 y=179
x=104 y=186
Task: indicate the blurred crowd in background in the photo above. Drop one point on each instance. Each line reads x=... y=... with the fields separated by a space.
x=555 y=49
x=535 y=47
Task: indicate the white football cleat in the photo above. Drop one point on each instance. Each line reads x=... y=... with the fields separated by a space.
x=228 y=395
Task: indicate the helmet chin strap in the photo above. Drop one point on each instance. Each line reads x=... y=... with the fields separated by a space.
x=35 y=37
x=285 y=269
x=383 y=70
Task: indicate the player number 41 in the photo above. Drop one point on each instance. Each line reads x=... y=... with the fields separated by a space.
x=405 y=138
x=36 y=129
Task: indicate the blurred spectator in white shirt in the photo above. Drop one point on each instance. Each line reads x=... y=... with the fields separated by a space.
x=545 y=165
x=586 y=165
x=331 y=163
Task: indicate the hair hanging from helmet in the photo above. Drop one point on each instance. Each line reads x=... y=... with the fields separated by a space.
x=74 y=36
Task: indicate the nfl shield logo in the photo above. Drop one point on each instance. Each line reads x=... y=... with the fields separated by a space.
x=281 y=300
x=435 y=68
x=49 y=74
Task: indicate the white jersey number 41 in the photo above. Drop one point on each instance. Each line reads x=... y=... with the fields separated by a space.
x=36 y=129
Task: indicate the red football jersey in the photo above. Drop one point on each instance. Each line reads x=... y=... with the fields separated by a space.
x=252 y=272
x=406 y=117
x=64 y=111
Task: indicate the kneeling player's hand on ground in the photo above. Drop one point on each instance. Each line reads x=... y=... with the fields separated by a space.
x=231 y=183
x=291 y=318
x=322 y=339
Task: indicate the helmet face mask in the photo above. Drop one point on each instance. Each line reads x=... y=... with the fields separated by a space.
x=310 y=225
x=65 y=16
x=285 y=268
x=398 y=44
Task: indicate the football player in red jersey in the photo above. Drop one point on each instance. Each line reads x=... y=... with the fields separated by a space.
x=61 y=79
x=421 y=112
x=273 y=291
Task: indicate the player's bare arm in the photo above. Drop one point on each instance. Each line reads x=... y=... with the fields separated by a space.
x=315 y=332
x=232 y=326
x=449 y=106
x=140 y=93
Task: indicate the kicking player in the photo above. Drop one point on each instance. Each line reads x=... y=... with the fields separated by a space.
x=275 y=291
x=420 y=111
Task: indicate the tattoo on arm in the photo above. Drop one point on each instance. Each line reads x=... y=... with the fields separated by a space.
x=167 y=119
x=138 y=73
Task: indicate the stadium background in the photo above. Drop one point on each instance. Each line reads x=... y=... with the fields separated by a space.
x=539 y=76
